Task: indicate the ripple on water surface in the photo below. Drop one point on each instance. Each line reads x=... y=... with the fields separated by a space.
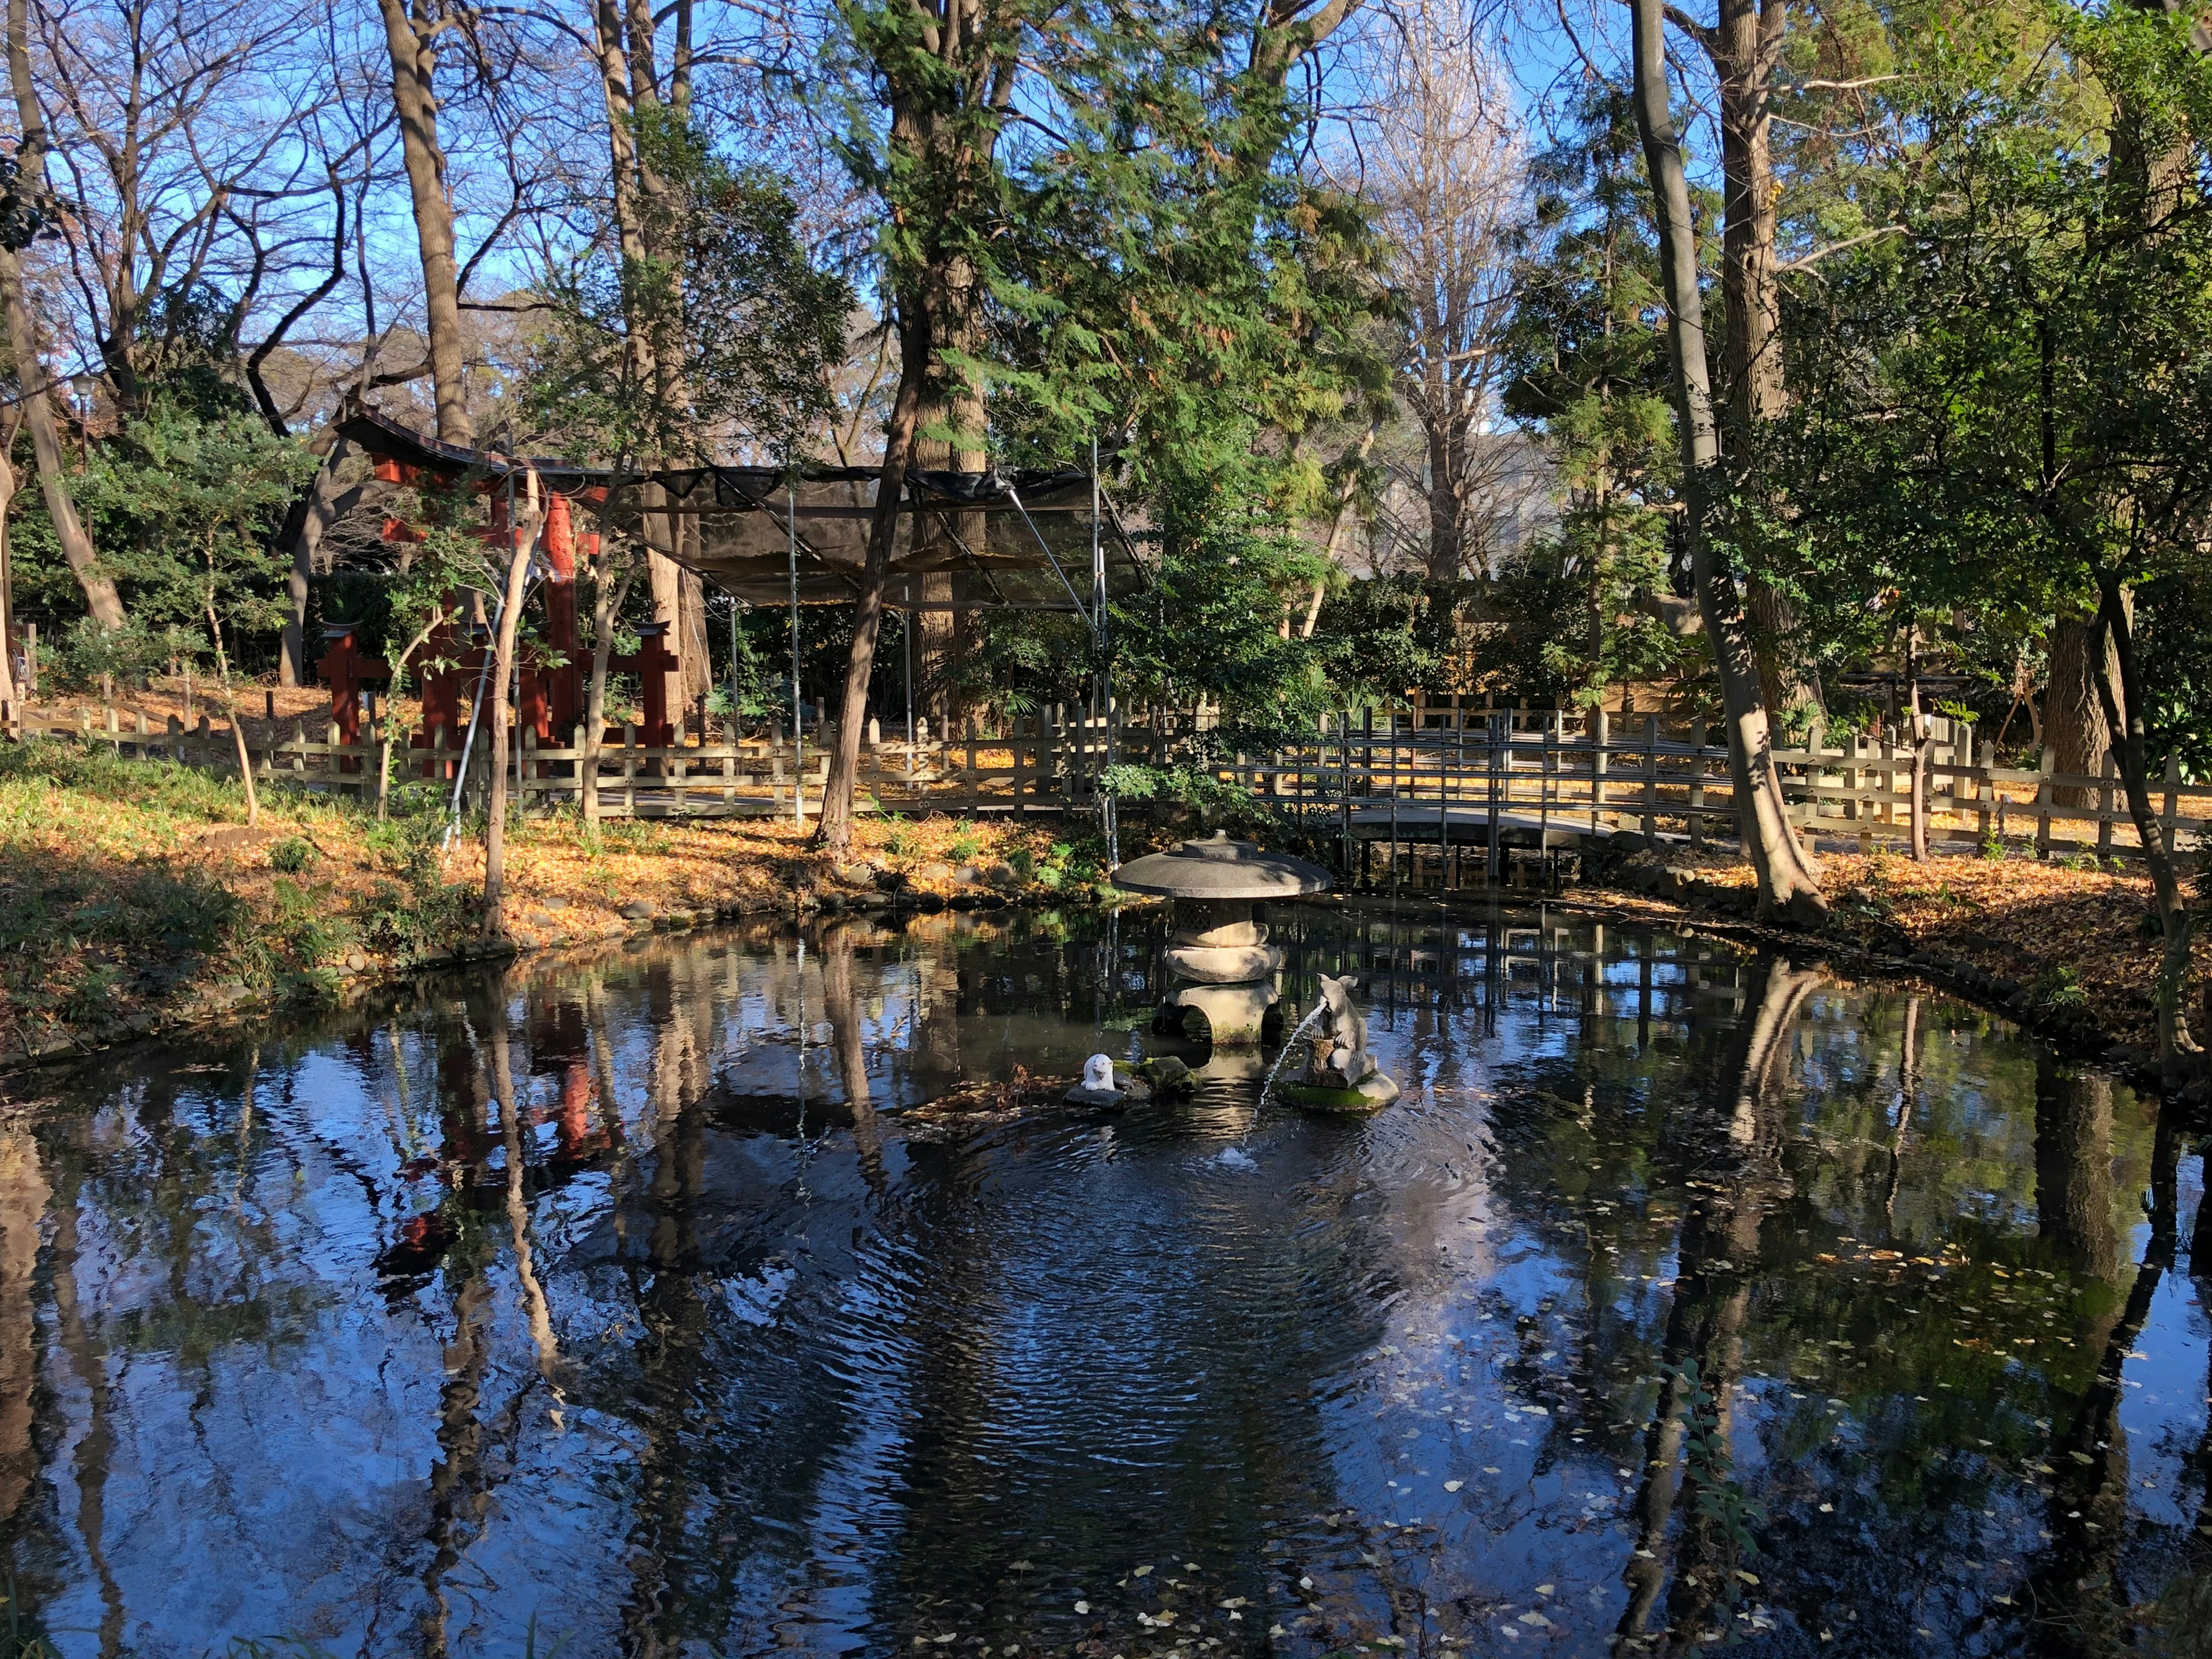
x=1683 y=1292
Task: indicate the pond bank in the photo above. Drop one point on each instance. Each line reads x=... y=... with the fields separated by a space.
x=2063 y=947
x=136 y=899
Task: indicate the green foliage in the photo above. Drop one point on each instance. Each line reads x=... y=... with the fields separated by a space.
x=32 y=772
x=182 y=504
x=88 y=655
x=2005 y=401
x=1588 y=367
x=729 y=309
x=1150 y=267
x=2056 y=989
x=967 y=841
x=415 y=910
x=293 y=855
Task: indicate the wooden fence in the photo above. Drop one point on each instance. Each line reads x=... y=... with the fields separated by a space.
x=1531 y=778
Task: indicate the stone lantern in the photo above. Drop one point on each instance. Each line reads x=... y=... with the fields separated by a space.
x=1218 y=951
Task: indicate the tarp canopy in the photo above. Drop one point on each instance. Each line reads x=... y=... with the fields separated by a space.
x=964 y=540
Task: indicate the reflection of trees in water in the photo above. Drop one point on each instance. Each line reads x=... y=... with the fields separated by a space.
x=460 y=1487
x=1737 y=1133
x=2078 y=1594
x=849 y=1046
x=673 y=1315
x=2073 y=1167
x=23 y=1195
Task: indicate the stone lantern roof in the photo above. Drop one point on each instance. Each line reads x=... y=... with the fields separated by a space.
x=1215 y=868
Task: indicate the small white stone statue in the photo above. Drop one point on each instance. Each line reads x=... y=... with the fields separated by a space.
x=1099 y=1087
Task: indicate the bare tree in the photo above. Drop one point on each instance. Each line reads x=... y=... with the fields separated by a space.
x=1444 y=165
x=167 y=117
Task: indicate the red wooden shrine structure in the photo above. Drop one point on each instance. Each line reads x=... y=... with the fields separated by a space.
x=551 y=664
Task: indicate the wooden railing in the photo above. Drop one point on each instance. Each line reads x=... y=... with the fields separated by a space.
x=1457 y=774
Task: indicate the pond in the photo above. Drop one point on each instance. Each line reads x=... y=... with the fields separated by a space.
x=630 y=1305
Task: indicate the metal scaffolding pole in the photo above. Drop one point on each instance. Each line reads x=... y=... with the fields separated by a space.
x=798 y=713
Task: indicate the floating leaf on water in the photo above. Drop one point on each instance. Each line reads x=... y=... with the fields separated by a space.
x=1490 y=1469
x=1545 y=1590
x=1083 y=1607
x=1535 y=1620
x=1453 y=1485
x=1141 y=1572
x=1748 y=1578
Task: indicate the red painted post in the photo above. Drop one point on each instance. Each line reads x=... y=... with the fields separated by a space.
x=347 y=668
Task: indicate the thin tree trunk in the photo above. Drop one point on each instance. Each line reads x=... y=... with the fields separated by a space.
x=1345 y=493
x=318 y=513
x=237 y=727
x=1919 y=809
x=414 y=100
x=833 y=830
x=606 y=606
x=11 y=694
x=2115 y=623
x=510 y=616
x=1787 y=882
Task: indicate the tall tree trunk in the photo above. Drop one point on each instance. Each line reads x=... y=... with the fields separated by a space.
x=833 y=831
x=1445 y=551
x=104 y=604
x=1787 y=882
x=412 y=44
x=2074 y=729
x=100 y=598
x=11 y=694
x=1744 y=46
x=698 y=670
x=2123 y=713
x=949 y=637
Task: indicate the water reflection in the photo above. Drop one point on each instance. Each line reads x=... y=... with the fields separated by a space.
x=1684 y=1293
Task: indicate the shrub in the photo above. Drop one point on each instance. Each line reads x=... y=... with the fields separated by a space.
x=417 y=909
x=293 y=854
x=2056 y=989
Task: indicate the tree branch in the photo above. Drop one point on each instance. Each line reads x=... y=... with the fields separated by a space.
x=1818 y=254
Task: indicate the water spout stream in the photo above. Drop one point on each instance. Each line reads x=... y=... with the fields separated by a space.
x=1289 y=1044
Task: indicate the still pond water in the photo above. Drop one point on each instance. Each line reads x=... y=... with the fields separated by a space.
x=633 y=1303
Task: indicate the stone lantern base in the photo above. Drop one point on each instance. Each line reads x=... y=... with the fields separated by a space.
x=1234 y=1013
